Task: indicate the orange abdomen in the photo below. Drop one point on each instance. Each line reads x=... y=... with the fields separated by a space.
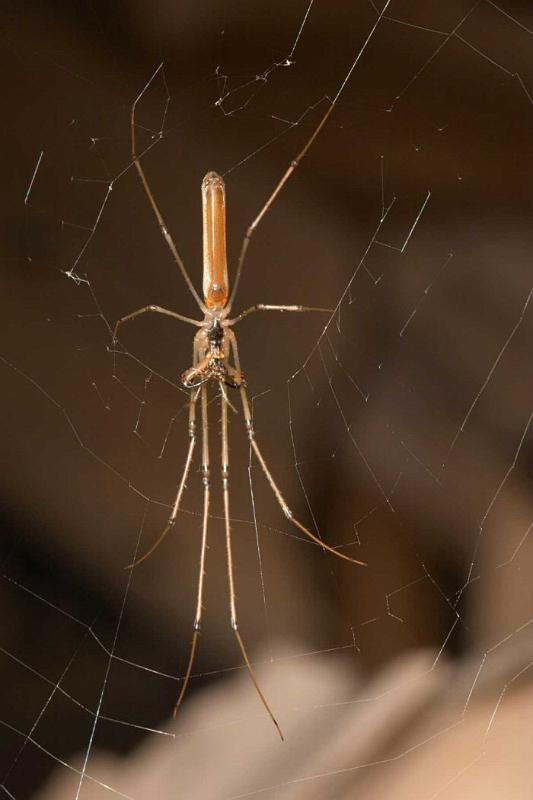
x=215 y=284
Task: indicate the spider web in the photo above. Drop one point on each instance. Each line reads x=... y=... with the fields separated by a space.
x=397 y=426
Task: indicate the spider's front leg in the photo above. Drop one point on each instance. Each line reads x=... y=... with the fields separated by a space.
x=203 y=549
x=192 y=443
x=273 y=485
x=175 y=508
x=199 y=373
x=229 y=559
x=233 y=376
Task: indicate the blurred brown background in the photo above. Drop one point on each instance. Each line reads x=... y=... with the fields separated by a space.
x=419 y=393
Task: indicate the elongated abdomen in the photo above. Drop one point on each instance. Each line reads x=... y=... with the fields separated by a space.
x=215 y=284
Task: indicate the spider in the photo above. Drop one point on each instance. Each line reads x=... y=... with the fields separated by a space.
x=216 y=360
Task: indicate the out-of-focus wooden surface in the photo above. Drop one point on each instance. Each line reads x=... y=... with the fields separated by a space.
x=414 y=731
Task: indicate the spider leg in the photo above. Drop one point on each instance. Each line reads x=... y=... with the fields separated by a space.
x=201 y=572
x=291 y=168
x=158 y=310
x=161 y=222
x=279 y=497
x=226 y=398
x=281 y=183
x=231 y=581
x=188 y=460
x=263 y=307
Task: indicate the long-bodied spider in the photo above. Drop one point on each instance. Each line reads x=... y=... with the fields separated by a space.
x=216 y=359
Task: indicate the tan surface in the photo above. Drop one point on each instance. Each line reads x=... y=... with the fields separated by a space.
x=415 y=732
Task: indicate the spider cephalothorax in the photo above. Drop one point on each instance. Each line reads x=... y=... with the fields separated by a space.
x=212 y=346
